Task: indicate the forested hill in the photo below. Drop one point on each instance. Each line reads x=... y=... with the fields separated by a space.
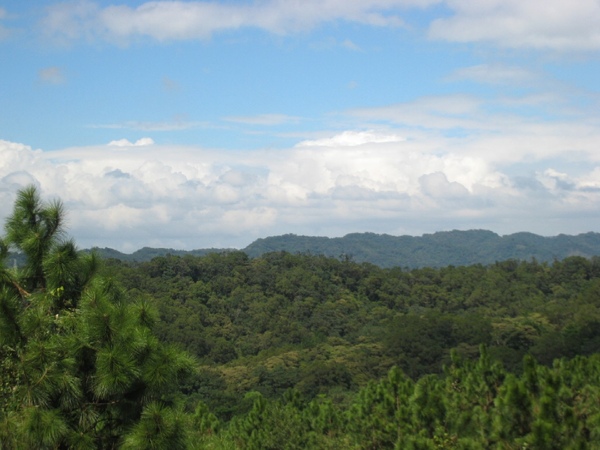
x=440 y=249
x=435 y=250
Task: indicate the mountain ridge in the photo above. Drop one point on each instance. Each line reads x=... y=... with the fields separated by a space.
x=439 y=249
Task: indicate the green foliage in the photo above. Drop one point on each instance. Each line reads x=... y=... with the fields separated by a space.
x=288 y=424
x=328 y=326
x=159 y=427
x=479 y=405
x=81 y=367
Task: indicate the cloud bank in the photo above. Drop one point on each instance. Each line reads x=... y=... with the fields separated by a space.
x=504 y=175
x=537 y=24
x=179 y=20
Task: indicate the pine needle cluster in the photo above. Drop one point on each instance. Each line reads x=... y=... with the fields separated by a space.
x=81 y=367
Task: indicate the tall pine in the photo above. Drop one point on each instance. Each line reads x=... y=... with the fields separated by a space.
x=80 y=365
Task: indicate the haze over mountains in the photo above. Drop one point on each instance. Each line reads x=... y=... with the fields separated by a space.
x=430 y=250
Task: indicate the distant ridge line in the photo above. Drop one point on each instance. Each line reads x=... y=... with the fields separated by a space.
x=440 y=249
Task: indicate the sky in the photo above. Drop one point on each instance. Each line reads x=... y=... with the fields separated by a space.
x=199 y=124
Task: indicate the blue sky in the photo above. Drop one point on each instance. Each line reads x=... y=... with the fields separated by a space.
x=192 y=124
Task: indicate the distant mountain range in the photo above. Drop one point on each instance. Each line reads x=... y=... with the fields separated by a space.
x=430 y=250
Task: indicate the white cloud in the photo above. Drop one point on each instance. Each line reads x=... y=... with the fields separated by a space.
x=413 y=170
x=433 y=112
x=73 y=20
x=125 y=143
x=177 y=20
x=254 y=219
x=437 y=185
x=468 y=126
x=590 y=180
x=539 y=24
x=352 y=138
x=553 y=180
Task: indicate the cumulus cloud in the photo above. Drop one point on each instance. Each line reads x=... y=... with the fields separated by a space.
x=436 y=185
x=395 y=180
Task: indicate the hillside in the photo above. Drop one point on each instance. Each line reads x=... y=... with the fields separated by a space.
x=283 y=335
x=440 y=249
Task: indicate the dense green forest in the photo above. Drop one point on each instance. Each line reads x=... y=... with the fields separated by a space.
x=290 y=351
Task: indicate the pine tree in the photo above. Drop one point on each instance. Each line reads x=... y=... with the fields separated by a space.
x=81 y=367
x=381 y=414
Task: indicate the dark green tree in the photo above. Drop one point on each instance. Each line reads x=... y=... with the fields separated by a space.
x=81 y=367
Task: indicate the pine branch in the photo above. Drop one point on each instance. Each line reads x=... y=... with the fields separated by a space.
x=22 y=291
